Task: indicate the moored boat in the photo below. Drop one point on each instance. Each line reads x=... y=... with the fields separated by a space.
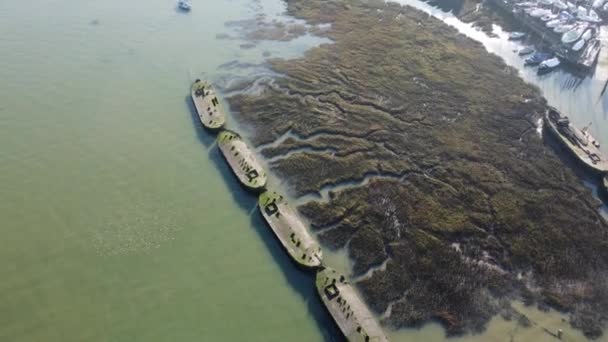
x=354 y=319
x=578 y=45
x=537 y=58
x=574 y=34
x=548 y=65
x=604 y=186
x=241 y=159
x=579 y=142
x=517 y=35
x=526 y=50
x=290 y=229
x=208 y=107
x=184 y=5
x=563 y=28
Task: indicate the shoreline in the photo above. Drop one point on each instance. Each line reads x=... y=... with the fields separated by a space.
x=467 y=162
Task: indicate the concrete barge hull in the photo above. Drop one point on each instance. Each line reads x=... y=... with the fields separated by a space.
x=346 y=307
x=598 y=167
x=208 y=107
x=241 y=159
x=290 y=230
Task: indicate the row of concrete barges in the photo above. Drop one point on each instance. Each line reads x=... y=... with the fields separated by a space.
x=352 y=316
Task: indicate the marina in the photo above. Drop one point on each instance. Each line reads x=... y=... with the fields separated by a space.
x=290 y=230
x=241 y=159
x=568 y=31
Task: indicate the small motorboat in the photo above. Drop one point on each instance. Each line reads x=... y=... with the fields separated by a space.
x=184 y=5
x=537 y=58
x=560 y=5
x=526 y=50
x=563 y=28
x=548 y=65
x=553 y=23
x=548 y=17
x=525 y=4
x=546 y=2
x=588 y=34
x=598 y=3
x=539 y=12
x=574 y=34
x=579 y=45
x=605 y=7
x=517 y=35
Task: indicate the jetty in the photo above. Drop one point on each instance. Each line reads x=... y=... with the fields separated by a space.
x=241 y=159
x=579 y=142
x=351 y=314
x=289 y=228
x=207 y=104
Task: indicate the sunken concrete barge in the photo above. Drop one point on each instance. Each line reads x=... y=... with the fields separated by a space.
x=241 y=159
x=291 y=231
x=207 y=105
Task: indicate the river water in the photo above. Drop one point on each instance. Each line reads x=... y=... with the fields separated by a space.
x=120 y=221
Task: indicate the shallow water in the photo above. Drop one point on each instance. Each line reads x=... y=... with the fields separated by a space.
x=120 y=220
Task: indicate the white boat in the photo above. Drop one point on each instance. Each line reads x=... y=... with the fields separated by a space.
x=588 y=34
x=517 y=35
x=598 y=3
x=548 y=65
x=581 y=11
x=184 y=5
x=574 y=34
x=539 y=12
x=548 y=17
x=525 y=4
x=546 y=2
x=560 y=5
x=563 y=28
x=605 y=7
x=579 y=45
x=571 y=6
x=553 y=23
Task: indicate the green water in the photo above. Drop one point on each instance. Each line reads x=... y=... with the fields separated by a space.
x=120 y=222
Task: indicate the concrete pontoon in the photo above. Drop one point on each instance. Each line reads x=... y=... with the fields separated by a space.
x=289 y=228
x=241 y=159
x=208 y=107
x=346 y=307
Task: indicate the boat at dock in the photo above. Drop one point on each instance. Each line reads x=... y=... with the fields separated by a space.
x=346 y=307
x=526 y=50
x=574 y=34
x=579 y=142
x=517 y=35
x=579 y=45
x=604 y=186
x=208 y=107
x=241 y=159
x=290 y=229
x=537 y=58
x=548 y=65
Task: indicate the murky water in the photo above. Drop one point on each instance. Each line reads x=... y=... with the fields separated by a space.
x=120 y=221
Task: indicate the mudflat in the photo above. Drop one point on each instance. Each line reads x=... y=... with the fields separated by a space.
x=424 y=153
